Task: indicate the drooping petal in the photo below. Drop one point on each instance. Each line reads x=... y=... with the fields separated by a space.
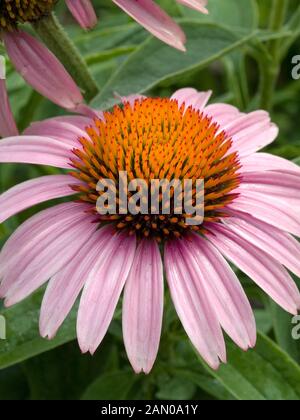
x=7 y=122
x=265 y=208
x=84 y=12
x=41 y=69
x=64 y=288
x=224 y=290
x=258 y=265
x=280 y=245
x=199 y=5
x=45 y=260
x=191 y=97
x=143 y=307
x=33 y=192
x=155 y=20
x=103 y=289
x=193 y=308
x=36 y=150
x=259 y=162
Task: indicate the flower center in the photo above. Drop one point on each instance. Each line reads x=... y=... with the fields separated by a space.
x=13 y=12
x=155 y=140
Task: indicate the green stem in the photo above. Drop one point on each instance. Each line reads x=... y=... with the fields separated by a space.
x=269 y=72
x=277 y=20
x=55 y=37
x=270 y=69
x=294 y=26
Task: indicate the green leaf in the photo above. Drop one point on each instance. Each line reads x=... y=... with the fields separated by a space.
x=109 y=38
x=177 y=388
x=155 y=62
x=265 y=373
x=13 y=384
x=263 y=320
x=104 y=56
x=266 y=35
x=111 y=386
x=232 y=13
x=282 y=323
x=23 y=339
x=64 y=373
x=206 y=382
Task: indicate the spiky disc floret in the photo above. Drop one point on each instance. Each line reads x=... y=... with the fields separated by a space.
x=157 y=139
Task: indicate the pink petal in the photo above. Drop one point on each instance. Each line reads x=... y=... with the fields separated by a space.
x=103 y=289
x=46 y=259
x=83 y=12
x=191 y=97
x=7 y=123
x=33 y=192
x=193 y=307
x=279 y=185
x=249 y=132
x=64 y=288
x=265 y=208
x=259 y=162
x=37 y=150
x=258 y=265
x=60 y=130
x=195 y=4
x=143 y=307
x=223 y=289
x=36 y=230
x=222 y=113
x=155 y=20
x=244 y=122
x=41 y=69
x=280 y=245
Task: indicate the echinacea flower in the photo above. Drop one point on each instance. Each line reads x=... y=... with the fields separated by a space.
x=251 y=215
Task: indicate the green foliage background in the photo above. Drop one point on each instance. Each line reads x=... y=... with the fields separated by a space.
x=235 y=52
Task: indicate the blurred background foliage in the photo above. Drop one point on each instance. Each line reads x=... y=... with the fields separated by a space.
x=231 y=51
